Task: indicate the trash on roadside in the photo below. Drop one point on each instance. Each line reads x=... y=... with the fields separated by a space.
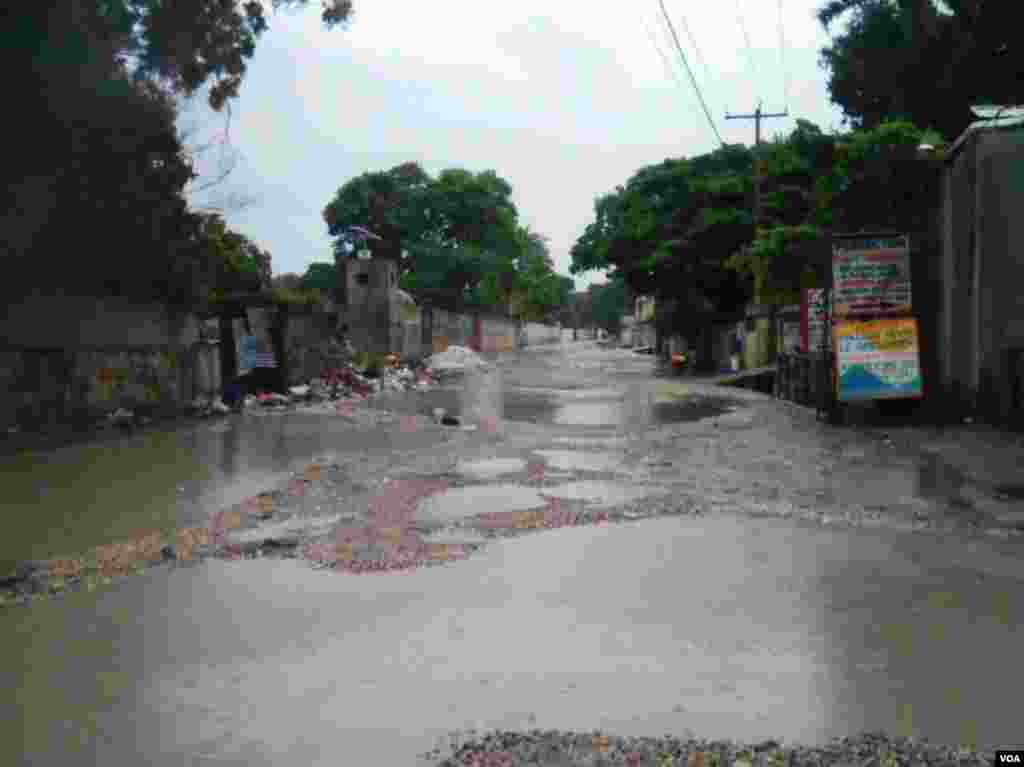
x=453 y=360
x=121 y=417
x=220 y=408
x=299 y=392
x=449 y=420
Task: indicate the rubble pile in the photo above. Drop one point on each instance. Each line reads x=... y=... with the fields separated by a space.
x=350 y=381
x=454 y=360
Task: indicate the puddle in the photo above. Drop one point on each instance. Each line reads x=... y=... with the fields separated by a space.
x=1011 y=492
x=584 y=442
x=690 y=409
x=597 y=493
x=454 y=536
x=492 y=468
x=590 y=414
x=937 y=479
x=571 y=460
x=463 y=502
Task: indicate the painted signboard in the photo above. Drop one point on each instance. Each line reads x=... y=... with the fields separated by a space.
x=813 y=319
x=871 y=277
x=877 y=359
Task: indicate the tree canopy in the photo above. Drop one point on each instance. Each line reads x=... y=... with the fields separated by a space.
x=921 y=61
x=456 y=237
x=682 y=230
x=95 y=200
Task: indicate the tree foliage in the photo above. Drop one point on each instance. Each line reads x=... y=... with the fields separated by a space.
x=683 y=231
x=320 y=276
x=456 y=237
x=668 y=231
x=94 y=200
x=608 y=304
x=921 y=61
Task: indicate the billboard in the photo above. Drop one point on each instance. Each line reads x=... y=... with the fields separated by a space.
x=877 y=359
x=870 y=277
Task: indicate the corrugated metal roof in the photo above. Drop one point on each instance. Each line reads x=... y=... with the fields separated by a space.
x=993 y=118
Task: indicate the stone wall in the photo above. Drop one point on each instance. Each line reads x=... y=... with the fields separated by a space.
x=68 y=360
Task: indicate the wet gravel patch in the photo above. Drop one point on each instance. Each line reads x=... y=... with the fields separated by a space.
x=595 y=749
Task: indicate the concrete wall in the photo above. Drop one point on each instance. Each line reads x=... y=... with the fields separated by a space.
x=308 y=347
x=71 y=359
x=538 y=333
x=980 y=303
x=428 y=330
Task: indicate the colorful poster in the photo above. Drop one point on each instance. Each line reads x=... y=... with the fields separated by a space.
x=878 y=359
x=813 y=319
x=871 y=277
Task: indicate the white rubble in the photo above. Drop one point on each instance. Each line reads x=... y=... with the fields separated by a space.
x=455 y=359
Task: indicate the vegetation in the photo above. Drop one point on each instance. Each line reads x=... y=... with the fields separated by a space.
x=98 y=176
x=921 y=61
x=683 y=230
x=456 y=237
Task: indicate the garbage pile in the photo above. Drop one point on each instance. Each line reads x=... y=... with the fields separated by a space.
x=454 y=360
x=351 y=381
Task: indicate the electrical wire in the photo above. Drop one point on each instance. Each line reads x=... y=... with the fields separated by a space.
x=782 y=61
x=664 y=57
x=693 y=80
x=696 y=48
x=750 y=50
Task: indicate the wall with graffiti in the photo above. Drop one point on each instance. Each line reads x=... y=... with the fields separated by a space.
x=68 y=361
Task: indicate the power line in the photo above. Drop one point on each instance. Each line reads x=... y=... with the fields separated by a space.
x=782 y=60
x=689 y=71
x=746 y=42
x=696 y=48
x=664 y=58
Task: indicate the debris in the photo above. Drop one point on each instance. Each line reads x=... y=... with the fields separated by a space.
x=449 y=420
x=455 y=359
x=300 y=392
x=122 y=417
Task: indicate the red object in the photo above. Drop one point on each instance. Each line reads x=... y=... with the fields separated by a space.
x=805 y=297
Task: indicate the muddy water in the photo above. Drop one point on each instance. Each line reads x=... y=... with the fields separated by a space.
x=729 y=627
x=65 y=501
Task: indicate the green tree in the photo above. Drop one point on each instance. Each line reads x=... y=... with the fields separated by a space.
x=608 y=303
x=98 y=175
x=670 y=229
x=921 y=61
x=320 y=276
x=448 y=234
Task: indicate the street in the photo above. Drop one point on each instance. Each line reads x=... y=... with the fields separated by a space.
x=597 y=545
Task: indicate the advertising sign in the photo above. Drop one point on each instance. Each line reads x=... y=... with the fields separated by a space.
x=877 y=359
x=248 y=348
x=813 y=319
x=870 y=277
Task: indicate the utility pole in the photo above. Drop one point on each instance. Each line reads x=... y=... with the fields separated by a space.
x=757 y=117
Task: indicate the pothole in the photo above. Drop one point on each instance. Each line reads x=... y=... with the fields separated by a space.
x=463 y=502
x=573 y=460
x=491 y=468
x=597 y=492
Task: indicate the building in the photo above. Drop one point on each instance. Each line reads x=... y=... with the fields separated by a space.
x=980 y=307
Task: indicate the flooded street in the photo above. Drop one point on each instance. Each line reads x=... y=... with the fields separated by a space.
x=593 y=546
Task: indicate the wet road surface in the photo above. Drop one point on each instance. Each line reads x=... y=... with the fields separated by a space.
x=792 y=599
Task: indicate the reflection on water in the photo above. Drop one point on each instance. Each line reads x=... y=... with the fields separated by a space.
x=68 y=500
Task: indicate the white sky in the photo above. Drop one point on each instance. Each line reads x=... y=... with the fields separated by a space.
x=565 y=100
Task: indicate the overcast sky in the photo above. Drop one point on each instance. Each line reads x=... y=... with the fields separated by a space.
x=564 y=100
